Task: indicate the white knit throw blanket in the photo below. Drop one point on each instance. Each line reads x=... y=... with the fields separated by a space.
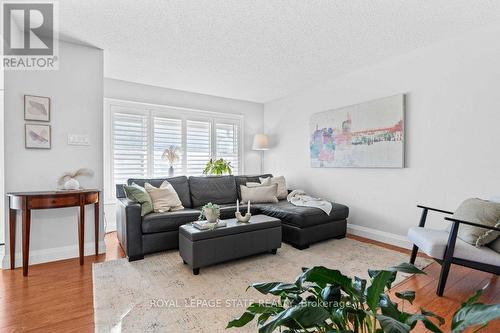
x=300 y=198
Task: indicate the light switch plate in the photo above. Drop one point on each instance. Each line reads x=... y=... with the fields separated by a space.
x=78 y=140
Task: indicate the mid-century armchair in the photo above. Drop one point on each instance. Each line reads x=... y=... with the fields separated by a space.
x=444 y=247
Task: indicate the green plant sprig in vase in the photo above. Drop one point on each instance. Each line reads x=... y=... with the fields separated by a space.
x=218 y=167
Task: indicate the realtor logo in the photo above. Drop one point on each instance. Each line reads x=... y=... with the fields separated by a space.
x=30 y=35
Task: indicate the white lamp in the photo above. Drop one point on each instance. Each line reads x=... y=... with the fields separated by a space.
x=261 y=143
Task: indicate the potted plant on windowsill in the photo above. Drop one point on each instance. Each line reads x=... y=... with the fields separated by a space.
x=218 y=167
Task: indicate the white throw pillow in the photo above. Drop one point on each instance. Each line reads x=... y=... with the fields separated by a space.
x=164 y=198
x=281 y=181
x=259 y=194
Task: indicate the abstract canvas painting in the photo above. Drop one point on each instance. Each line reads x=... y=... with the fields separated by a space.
x=36 y=108
x=37 y=136
x=367 y=135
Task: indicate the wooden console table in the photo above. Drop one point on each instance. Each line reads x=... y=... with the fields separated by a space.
x=26 y=201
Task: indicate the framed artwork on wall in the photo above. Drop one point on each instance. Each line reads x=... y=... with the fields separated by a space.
x=366 y=135
x=37 y=136
x=36 y=108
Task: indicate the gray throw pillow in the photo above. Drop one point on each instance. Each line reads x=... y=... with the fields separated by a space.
x=480 y=212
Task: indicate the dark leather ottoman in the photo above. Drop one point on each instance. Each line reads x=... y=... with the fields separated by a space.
x=200 y=248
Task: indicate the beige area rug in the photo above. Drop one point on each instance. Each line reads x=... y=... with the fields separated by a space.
x=160 y=293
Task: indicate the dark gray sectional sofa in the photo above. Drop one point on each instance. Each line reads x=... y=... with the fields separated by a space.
x=155 y=232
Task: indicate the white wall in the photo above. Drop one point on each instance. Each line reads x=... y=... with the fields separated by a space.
x=452 y=133
x=253 y=115
x=76 y=92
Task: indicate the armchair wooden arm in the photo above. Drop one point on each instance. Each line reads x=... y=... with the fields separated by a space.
x=425 y=210
x=471 y=223
x=435 y=209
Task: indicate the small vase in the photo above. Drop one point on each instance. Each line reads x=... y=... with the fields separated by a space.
x=171 y=171
x=71 y=184
x=210 y=215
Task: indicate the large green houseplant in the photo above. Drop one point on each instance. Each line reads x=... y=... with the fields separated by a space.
x=323 y=300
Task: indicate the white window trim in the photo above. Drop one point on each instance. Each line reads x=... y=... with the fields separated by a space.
x=175 y=112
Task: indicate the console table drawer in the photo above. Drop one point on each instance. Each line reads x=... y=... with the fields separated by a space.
x=53 y=202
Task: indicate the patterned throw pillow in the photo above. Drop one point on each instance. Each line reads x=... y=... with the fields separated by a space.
x=164 y=198
x=138 y=194
x=281 y=181
x=480 y=212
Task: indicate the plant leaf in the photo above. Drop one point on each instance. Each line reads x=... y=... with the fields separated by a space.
x=323 y=276
x=389 y=308
x=306 y=314
x=406 y=267
x=275 y=288
x=376 y=288
x=391 y=325
x=413 y=319
x=474 y=314
x=245 y=318
x=433 y=315
x=331 y=293
x=407 y=295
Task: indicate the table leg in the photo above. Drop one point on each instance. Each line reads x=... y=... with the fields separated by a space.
x=26 y=239
x=81 y=229
x=12 y=238
x=96 y=227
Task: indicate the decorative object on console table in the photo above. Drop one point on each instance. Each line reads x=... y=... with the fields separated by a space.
x=367 y=135
x=36 y=108
x=261 y=143
x=68 y=179
x=37 y=136
x=171 y=154
x=27 y=201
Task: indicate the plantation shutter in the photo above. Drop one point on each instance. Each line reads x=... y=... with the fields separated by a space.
x=227 y=144
x=130 y=146
x=198 y=146
x=167 y=132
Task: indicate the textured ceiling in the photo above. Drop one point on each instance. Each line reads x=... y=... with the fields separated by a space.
x=260 y=50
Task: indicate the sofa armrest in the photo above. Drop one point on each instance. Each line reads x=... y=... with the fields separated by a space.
x=129 y=228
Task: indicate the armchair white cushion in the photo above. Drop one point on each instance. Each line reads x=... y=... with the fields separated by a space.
x=433 y=243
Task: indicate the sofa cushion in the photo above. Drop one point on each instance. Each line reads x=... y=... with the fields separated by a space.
x=433 y=243
x=169 y=221
x=215 y=189
x=242 y=180
x=137 y=193
x=259 y=194
x=180 y=185
x=303 y=217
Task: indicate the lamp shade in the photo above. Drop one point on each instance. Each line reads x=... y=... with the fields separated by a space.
x=260 y=142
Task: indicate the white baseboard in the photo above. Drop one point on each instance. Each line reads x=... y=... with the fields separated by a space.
x=53 y=254
x=378 y=235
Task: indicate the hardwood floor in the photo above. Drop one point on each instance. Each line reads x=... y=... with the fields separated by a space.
x=57 y=297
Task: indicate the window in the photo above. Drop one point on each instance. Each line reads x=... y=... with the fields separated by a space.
x=130 y=146
x=140 y=133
